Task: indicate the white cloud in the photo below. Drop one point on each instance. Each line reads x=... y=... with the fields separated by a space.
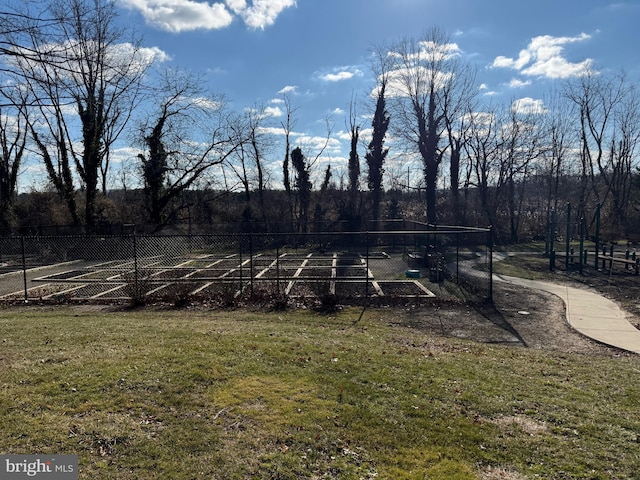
x=339 y=74
x=182 y=15
x=206 y=103
x=528 y=106
x=185 y=15
x=121 y=60
x=337 y=77
x=316 y=143
x=264 y=112
x=402 y=78
x=144 y=56
x=343 y=135
x=279 y=131
x=124 y=154
x=544 y=57
x=10 y=125
x=430 y=51
x=517 y=83
x=273 y=112
x=272 y=130
x=289 y=89
x=367 y=133
x=276 y=101
x=479 y=118
x=237 y=5
x=261 y=13
x=486 y=92
x=415 y=69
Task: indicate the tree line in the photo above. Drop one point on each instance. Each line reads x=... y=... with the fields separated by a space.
x=75 y=83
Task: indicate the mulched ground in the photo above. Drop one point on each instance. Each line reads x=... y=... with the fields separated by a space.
x=532 y=318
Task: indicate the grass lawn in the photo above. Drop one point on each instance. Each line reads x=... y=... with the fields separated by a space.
x=291 y=395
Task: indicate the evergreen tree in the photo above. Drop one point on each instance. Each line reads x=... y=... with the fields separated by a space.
x=377 y=153
x=303 y=185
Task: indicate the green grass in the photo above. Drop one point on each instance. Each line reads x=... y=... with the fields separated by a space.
x=530 y=266
x=530 y=247
x=293 y=395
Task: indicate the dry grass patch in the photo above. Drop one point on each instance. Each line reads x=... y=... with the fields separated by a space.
x=526 y=424
x=498 y=473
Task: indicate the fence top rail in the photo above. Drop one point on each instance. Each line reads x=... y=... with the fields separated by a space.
x=439 y=231
x=456 y=228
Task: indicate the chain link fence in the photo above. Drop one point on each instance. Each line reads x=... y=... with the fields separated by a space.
x=228 y=269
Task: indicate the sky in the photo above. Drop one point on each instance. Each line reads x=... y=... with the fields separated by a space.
x=319 y=51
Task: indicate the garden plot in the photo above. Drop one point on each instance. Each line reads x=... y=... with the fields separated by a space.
x=294 y=274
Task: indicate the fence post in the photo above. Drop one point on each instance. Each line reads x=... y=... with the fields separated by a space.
x=552 y=232
x=24 y=269
x=490 y=296
x=251 y=263
x=568 y=239
x=136 y=292
x=597 y=236
x=366 y=271
x=278 y=266
x=581 y=243
x=241 y=262
x=457 y=258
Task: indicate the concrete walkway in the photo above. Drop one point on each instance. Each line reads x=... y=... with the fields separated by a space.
x=589 y=313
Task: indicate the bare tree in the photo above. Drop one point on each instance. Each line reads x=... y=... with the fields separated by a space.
x=520 y=144
x=502 y=144
x=481 y=146
x=456 y=125
x=248 y=162
x=557 y=153
x=18 y=25
x=426 y=83
x=188 y=135
x=609 y=128
x=13 y=140
x=257 y=140
x=240 y=163
x=86 y=79
x=287 y=126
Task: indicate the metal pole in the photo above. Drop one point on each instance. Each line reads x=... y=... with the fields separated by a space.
x=135 y=265
x=568 y=239
x=458 y=258
x=490 y=297
x=24 y=269
x=251 y=261
x=366 y=272
x=581 y=243
x=552 y=239
x=240 y=253
x=597 y=235
x=554 y=221
x=278 y=266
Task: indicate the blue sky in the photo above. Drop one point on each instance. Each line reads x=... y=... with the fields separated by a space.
x=318 y=50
